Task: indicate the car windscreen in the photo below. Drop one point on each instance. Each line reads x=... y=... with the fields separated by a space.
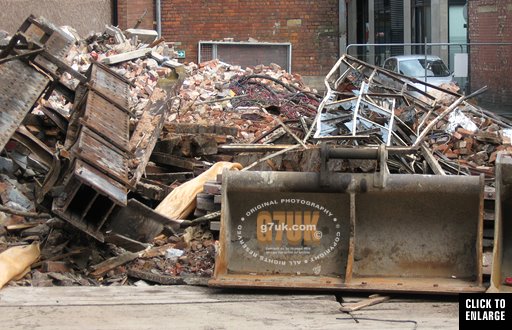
x=416 y=68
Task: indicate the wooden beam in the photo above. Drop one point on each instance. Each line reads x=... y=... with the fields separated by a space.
x=156 y=278
x=9 y=210
x=181 y=162
x=105 y=266
x=372 y=300
x=168 y=178
x=252 y=147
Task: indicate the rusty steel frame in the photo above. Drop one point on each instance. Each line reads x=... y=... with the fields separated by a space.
x=138 y=222
x=97 y=180
x=367 y=72
x=41 y=152
x=95 y=176
x=89 y=198
x=98 y=131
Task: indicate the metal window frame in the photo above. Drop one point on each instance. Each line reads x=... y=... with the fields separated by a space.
x=214 y=45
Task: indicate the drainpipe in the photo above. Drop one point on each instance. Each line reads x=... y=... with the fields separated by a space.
x=467 y=88
x=115 y=19
x=158 y=18
x=342 y=26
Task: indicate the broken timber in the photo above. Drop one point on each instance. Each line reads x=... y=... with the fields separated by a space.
x=105 y=266
x=372 y=300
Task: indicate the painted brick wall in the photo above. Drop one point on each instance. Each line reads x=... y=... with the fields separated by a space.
x=129 y=12
x=84 y=15
x=491 y=21
x=311 y=27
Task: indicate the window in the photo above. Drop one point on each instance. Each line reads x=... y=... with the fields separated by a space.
x=417 y=68
x=247 y=53
x=390 y=65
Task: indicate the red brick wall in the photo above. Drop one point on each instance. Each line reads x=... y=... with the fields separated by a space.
x=129 y=11
x=491 y=21
x=311 y=27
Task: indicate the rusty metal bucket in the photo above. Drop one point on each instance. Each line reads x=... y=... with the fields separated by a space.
x=359 y=232
x=502 y=252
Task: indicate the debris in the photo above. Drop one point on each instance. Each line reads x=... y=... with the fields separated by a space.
x=173 y=253
x=105 y=266
x=182 y=200
x=24 y=213
x=200 y=220
x=139 y=222
x=143 y=35
x=182 y=163
x=151 y=121
x=12 y=194
x=156 y=278
x=40 y=279
x=21 y=226
x=129 y=154
x=372 y=300
x=60 y=257
x=458 y=119
x=41 y=230
x=55 y=267
x=141 y=283
x=370 y=99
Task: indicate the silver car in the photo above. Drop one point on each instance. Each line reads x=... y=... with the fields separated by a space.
x=415 y=66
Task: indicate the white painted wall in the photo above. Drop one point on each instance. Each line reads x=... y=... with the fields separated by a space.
x=83 y=15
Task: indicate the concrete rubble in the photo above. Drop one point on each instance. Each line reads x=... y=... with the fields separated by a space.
x=155 y=123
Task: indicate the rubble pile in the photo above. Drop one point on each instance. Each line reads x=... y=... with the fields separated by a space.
x=472 y=140
x=113 y=124
x=140 y=83
x=248 y=100
x=188 y=260
x=370 y=105
x=80 y=143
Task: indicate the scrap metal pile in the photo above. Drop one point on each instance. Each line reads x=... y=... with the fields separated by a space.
x=98 y=133
x=368 y=105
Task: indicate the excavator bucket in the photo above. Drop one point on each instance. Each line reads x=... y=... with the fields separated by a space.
x=501 y=275
x=351 y=231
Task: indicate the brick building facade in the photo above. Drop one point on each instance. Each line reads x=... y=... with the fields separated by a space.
x=490 y=21
x=310 y=26
x=130 y=11
x=313 y=29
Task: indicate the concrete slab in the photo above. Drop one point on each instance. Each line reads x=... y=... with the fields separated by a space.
x=188 y=307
